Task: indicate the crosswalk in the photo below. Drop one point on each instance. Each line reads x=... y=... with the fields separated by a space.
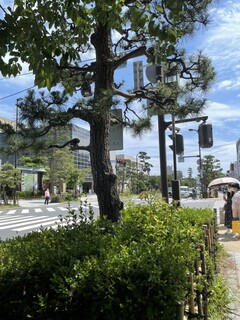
x=38 y=210
x=25 y=220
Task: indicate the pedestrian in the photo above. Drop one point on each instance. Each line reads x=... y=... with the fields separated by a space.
x=194 y=193
x=47 y=196
x=236 y=206
x=228 y=209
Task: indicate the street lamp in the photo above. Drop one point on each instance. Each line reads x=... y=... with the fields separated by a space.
x=200 y=158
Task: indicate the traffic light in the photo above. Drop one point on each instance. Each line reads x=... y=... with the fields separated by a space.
x=205 y=135
x=179 y=143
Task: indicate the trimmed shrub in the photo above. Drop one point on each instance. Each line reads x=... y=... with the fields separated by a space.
x=100 y=270
x=29 y=194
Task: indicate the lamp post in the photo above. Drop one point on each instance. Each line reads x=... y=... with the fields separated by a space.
x=200 y=158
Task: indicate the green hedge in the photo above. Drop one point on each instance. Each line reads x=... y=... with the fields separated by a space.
x=29 y=194
x=99 y=270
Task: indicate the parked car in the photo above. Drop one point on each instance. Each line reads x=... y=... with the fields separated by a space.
x=184 y=191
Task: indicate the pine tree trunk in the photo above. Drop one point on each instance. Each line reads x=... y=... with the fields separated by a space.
x=104 y=180
x=105 y=184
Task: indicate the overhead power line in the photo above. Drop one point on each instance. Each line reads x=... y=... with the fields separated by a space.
x=14 y=94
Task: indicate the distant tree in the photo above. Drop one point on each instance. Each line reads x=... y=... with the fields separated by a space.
x=211 y=170
x=61 y=164
x=52 y=37
x=127 y=175
x=154 y=182
x=34 y=161
x=10 y=177
x=76 y=178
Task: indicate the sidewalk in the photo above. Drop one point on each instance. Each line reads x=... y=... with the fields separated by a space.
x=232 y=269
x=31 y=203
x=231 y=266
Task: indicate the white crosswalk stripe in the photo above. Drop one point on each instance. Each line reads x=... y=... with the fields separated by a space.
x=15 y=218
x=21 y=223
x=50 y=209
x=11 y=211
x=25 y=210
x=38 y=225
x=7 y=218
x=33 y=219
x=63 y=208
x=26 y=221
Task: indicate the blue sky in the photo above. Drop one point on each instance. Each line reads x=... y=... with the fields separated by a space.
x=220 y=40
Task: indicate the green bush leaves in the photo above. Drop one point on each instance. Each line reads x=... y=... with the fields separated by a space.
x=100 y=270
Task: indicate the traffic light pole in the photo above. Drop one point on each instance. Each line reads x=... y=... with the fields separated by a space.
x=163 y=159
x=162 y=126
x=175 y=181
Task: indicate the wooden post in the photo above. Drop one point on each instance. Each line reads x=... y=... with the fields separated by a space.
x=191 y=299
x=179 y=310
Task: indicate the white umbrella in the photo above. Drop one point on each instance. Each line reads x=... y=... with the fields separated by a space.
x=222 y=181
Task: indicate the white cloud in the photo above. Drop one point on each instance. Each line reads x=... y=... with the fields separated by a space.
x=221 y=40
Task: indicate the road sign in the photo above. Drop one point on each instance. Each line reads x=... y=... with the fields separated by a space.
x=180 y=159
x=138 y=74
x=116 y=132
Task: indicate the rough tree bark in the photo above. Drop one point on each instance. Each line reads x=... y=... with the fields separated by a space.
x=105 y=184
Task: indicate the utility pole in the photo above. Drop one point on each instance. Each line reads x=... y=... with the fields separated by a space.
x=162 y=126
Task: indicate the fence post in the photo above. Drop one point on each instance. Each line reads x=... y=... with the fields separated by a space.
x=191 y=298
x=179 y=310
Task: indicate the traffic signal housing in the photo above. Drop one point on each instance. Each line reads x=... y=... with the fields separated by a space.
x=179 y=143
x=205 y=135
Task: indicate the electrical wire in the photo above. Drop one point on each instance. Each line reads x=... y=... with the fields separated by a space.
x=14 y=94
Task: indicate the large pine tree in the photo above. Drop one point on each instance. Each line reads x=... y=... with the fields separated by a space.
x=54 y=36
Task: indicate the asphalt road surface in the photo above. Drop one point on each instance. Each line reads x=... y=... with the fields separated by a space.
x=34 y=215
x=19 y=221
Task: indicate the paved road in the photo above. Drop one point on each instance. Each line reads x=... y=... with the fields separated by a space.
x=210 y=203
x=33 y=214
x=20 y=221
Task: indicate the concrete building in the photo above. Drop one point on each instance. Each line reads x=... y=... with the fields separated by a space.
x=81 y=157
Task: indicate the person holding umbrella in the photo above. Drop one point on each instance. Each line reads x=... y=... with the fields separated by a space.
x=228 y=209
x=236 y=205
